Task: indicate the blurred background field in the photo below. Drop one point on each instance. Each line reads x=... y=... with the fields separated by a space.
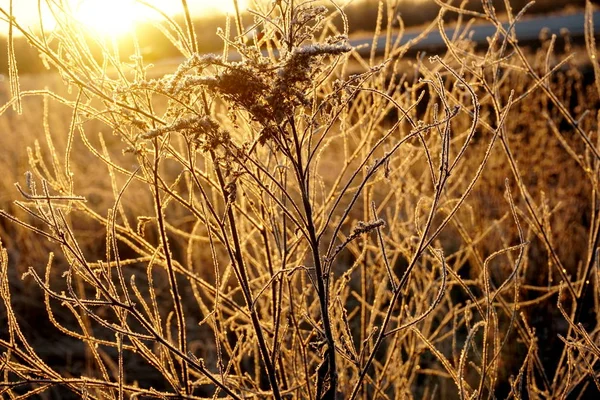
x=558 y=169
x=362 y=20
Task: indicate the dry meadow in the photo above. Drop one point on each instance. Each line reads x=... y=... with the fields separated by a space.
x=302 y=222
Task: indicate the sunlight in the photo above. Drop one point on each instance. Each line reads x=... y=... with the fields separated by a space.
x=117 y=17
x=114 y=17
x=109 y=17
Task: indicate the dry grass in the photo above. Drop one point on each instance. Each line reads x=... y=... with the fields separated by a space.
x=275 y=228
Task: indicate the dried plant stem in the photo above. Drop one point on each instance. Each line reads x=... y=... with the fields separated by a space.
x=182 y=341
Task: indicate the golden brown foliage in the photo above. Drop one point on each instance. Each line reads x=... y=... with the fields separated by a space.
x=277 y=227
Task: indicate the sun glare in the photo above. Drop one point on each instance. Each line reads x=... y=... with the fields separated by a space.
x=110 y=17
x=117 y=17
x=113 y=17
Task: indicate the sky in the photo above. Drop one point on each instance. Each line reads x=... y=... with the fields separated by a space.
x=112 y=16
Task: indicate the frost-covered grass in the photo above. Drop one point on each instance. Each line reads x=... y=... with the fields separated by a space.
x=276 y=227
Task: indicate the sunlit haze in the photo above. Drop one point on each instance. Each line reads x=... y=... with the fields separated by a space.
x=112 y=17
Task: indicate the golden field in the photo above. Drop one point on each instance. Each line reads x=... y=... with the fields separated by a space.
x=306 y=222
